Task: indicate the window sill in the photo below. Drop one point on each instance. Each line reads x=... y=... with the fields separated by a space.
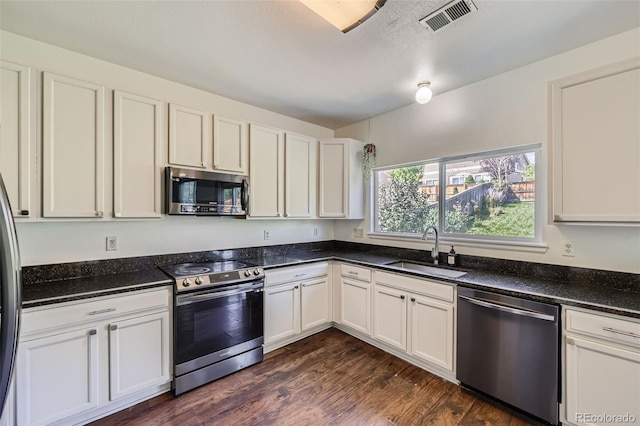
x=524 y=246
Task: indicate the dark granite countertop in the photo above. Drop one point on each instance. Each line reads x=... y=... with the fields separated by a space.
x=607 y=291
x=37 y=294
x=576 y=292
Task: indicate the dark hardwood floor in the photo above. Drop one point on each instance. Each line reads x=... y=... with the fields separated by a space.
x=330 y=378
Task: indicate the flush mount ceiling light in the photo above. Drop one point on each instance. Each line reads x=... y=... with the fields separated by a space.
x=344 y=14
x=423 y=94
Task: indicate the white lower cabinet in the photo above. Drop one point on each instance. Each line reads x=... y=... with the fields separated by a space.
x=57 y=376
x=282 y=312
x=296 y=303
x=355 y=298
x=431 y=324
x=138 y=354
x=602 y=369
x=390 y=307
x=415 y=316
x=80 y=361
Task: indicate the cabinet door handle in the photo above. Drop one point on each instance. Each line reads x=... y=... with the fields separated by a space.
x=402 y=297
x=93 y=332
x=24 y=212
x=413 y=299
x=286 y=215
x=570 y=341
x=624 y=333
x=99 y=214
x=113 y=327
x=102 y=311
x=295 y=288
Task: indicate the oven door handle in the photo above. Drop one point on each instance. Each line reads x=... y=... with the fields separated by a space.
x=193 y=298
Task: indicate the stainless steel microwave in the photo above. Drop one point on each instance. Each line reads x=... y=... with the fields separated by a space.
x=201 y=193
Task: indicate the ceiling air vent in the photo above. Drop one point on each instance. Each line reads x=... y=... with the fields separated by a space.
x=447 y=14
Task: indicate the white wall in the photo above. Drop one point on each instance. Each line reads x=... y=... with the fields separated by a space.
x=43 y=242
x=506 y=110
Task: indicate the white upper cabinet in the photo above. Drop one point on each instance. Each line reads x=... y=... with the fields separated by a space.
x=266 y=173
x=230 y=145
x=595 y=145
x=341 y=184
x=137 y=156
x=72 y=148
x=299 y=174
x=16 y=136
x=188 y=136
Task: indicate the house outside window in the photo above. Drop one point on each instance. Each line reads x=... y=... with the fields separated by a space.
x=489 y=196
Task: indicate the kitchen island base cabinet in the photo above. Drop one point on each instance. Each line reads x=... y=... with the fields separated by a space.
x=82 y=360
x=602 y=368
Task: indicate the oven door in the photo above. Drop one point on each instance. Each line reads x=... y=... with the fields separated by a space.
x=214 y=325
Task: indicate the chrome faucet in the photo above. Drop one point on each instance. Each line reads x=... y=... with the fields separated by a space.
x=436 y=249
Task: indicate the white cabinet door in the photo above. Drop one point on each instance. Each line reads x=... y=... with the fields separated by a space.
x=188 y=136
x=137 y=155
x=595 y=128
x=356 y=305
x=282 y=312
x=8 y=415
x=266 y=172
x=16 y=135
x=600 y=379
x=314 y=298
x=333 y=179
x=57 y=377
x=230 y=145
x=138 y=354
x=390 y=316
x=297 y=174
x=432 y=331
x=72 y=148
x=341 y=188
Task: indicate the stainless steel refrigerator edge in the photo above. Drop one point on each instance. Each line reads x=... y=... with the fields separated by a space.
x=10 y=294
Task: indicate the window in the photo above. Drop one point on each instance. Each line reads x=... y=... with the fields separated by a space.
x=489 y=196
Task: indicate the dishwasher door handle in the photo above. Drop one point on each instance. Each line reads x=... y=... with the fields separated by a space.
x=509 y=309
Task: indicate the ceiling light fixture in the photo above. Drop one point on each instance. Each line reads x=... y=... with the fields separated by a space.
x=423 y=94
x=344 y=14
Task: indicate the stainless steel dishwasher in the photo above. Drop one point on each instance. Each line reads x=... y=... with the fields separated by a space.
x=508 y=349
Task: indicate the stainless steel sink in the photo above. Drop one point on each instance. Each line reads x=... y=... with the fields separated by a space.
x=431 y=270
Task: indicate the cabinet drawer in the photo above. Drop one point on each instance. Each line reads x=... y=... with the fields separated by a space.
x=87 y=310
x=614 y=329
x=296 y=273
x=355 y=272
x=423 y=286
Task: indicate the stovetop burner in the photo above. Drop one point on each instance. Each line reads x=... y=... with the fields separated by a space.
x=190 y=276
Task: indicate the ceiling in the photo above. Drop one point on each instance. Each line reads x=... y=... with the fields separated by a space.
x=279 y=55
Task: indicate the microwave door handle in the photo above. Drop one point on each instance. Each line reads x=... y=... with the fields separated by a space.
x=244 y=195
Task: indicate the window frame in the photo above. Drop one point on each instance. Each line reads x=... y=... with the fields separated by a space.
x=534 y=242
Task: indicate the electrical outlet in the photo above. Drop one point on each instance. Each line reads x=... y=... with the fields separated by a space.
x=568 y=249
x=316 y=232
x=112 y=243
x=266 y=234
x=358 y=233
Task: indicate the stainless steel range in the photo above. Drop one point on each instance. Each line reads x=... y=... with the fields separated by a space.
x=218 y=321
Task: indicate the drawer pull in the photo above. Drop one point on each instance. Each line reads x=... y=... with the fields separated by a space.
x=113 y=327
x=93 y=332
x=624 y=333
x=102 y=311
x=353 y=273
x=299 y=275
